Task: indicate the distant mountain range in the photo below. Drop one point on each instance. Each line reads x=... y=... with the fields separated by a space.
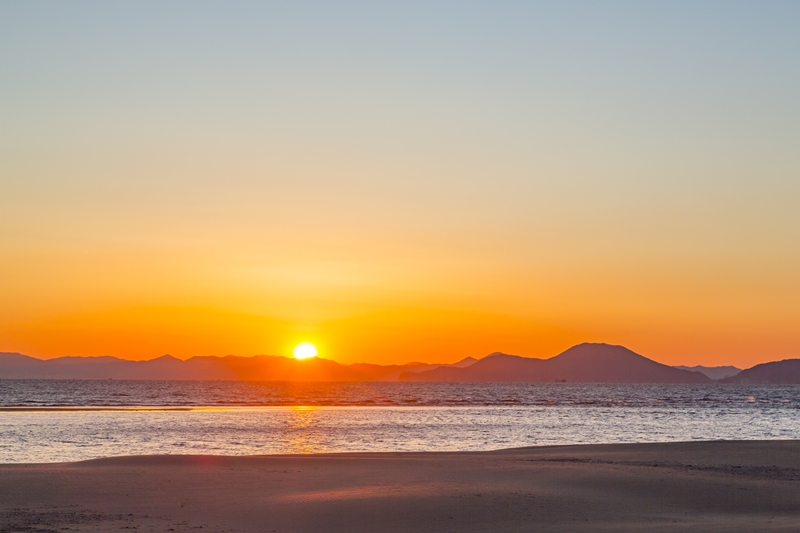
x=714 y=372
x=584 y=363
x=231 y=367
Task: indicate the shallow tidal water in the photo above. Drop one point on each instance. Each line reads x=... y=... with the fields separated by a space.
x=54 y=421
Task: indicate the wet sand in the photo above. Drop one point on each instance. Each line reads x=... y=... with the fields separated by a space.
x=702 y=487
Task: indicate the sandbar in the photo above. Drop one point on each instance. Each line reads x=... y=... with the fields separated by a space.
x=697 y=486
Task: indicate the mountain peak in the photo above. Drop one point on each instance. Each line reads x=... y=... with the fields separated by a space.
x=583 y=363
x=166 y=357
x=597 y=350
x=498 y=354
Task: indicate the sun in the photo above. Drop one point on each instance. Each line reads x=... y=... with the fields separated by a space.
x=305 y=350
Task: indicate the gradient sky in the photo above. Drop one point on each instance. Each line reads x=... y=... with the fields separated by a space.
x=395 y=182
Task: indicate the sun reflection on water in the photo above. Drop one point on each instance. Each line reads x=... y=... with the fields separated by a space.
x=303 y=435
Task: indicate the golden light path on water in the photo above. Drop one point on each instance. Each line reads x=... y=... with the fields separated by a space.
x=302 y=438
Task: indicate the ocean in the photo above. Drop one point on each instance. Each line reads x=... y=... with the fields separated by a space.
x=71 y=420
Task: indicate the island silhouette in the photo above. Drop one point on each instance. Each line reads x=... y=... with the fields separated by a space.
x=583 y=363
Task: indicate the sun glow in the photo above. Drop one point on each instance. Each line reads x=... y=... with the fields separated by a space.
x=305 y=350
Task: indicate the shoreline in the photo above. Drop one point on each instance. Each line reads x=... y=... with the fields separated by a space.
x=677 y=486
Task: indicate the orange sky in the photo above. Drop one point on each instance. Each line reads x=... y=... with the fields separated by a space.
x=403 y=186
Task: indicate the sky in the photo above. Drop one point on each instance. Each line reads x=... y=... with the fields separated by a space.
x=395 y=182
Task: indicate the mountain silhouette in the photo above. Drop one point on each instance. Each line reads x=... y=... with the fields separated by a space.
x=714 y=372
x=257 y=368
x=584 y=363
x=786 y=372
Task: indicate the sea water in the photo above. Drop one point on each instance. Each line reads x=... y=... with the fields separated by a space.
x=69 y=420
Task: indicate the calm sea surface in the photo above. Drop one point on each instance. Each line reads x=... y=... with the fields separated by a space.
x=51 y=420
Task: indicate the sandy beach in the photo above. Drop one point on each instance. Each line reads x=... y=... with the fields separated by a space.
x=707 y=486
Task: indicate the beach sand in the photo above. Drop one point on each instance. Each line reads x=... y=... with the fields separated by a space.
x=703 y=487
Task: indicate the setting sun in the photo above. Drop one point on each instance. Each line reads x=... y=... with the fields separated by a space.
x=305 y=350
